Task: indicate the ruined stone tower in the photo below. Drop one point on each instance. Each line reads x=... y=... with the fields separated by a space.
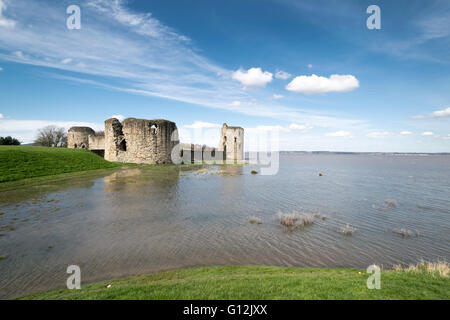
x=232 y=143
x=140 y=141
x=78 y=137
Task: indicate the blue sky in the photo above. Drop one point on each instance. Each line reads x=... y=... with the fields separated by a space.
x=310 y=71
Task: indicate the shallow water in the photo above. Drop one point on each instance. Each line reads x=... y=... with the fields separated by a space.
x=138 y=221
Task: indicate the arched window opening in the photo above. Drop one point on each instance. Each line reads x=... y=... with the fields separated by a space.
x=154 y=129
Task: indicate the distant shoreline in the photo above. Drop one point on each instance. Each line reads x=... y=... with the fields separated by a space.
x=364 y=153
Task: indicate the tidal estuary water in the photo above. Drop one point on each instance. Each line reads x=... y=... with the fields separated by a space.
x=135 y=221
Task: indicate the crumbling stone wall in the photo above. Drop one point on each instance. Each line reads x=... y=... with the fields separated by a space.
x=78 y=137
x=140 y=141
x=232 y=143
x=97 y=142
x=194 y=153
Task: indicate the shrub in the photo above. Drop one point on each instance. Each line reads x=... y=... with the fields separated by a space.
x=9 y=141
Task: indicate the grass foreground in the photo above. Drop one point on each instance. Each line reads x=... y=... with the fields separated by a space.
x=21 y=162
x=261 y=283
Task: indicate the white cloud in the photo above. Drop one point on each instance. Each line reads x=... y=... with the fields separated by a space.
x=341 y=133
x=427 y=134
x=277 y=96
x=4 y=22
x=143 y=56
x=261 y=129
x=19 y=54
x=235 y=104
x=378 y=134
x=283 y=75
x=292 y=128
x=202 y=125
x=253 y=77
x=200 y=132
x=118 y=117
x=1 y=116
x=417 y=117
x=441 y=113
x=299 y=127
x=66 y=61
x=319 y=85
x=406 y=133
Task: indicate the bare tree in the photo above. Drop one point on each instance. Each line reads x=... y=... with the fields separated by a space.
x=51 y=136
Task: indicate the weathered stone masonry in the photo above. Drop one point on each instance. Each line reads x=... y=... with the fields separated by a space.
x=140 y=141
x=152 y=142
x=78 y=137
x=232 y=143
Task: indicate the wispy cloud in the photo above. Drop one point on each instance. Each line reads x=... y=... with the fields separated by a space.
x=139 y=55
x=300 y=127
x=441 y=113
x=283 y=75
x=378 y=134
x=5 y=22
x=202 y=125
x=436 y=114
x=427 y=134
x=340 y=134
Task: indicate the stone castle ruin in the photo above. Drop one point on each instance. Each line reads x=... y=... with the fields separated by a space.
x=232 y=143
x=152 y=142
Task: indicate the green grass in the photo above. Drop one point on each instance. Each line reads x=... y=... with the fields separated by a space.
x=254 y=282
x=17 y=163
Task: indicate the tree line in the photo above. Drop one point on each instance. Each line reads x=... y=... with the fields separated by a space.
x=50 y=136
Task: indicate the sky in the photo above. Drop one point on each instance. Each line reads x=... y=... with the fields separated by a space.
x=309 y=75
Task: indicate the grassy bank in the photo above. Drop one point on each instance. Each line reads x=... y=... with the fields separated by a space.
x=18 y=163
x=263 y=283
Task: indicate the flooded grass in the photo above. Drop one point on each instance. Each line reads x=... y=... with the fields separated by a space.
x=348 y=230
x=391 y=203
x=157 y=204
x=405 y=233
x=254 y=220
x=441 y=268
x=295 y=220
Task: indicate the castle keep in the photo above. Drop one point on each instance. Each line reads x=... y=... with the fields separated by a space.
x=151 y=142
x=78 y=137
x=232 y=143
x=140 y=141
